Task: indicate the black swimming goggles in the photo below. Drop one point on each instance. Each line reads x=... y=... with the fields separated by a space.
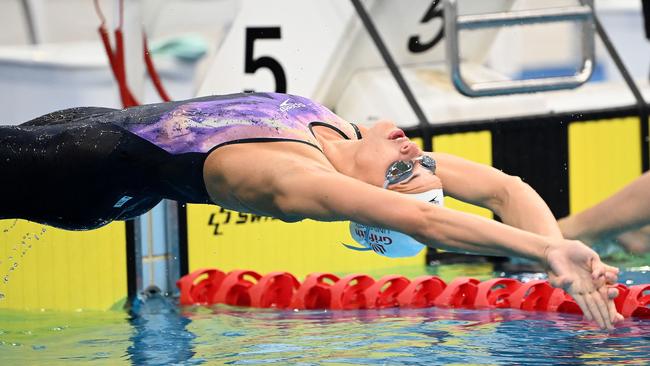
x=402 y=169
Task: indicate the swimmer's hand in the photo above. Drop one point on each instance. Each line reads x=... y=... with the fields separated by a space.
x=578 y=270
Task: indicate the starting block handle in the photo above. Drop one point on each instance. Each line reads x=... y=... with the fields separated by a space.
x=454 y=23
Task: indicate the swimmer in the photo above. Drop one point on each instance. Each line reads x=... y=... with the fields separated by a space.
x=623 y=217
x=283 y=156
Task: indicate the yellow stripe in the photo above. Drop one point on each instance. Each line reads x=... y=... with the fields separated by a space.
x=271 y=245
x=62 y=270
x=603 y=157
x=474 y=146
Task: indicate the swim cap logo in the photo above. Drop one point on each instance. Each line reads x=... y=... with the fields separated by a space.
x=287 y=105
x=376 y=242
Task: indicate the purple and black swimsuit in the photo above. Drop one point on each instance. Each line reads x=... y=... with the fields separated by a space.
x=81 y=168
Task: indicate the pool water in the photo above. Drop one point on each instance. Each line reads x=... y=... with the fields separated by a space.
x=163 y=334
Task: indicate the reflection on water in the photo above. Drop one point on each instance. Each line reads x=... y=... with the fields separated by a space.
x=158 y=333
x=398 y=336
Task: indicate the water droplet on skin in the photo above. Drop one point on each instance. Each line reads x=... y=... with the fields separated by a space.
x=36 y=236
x=2 y=296
x=6 y=278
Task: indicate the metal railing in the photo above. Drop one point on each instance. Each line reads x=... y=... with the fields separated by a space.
x=454 y=23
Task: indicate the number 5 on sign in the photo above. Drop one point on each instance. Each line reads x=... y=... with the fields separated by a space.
x=252 y=64
x=280 y=45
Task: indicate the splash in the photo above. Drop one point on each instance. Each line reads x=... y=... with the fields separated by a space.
x=17 y=252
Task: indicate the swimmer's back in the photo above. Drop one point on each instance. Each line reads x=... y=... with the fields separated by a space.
x=201 y=125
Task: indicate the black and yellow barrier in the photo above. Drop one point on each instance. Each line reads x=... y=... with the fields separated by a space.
x=572 y=160
x=604 y=156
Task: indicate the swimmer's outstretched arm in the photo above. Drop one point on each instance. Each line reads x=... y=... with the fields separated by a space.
x=516 y=203
x=626 y=210
x=327 y=196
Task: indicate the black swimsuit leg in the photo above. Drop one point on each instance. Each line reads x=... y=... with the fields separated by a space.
x=73 y=174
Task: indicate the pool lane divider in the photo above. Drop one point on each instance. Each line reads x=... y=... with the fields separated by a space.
x=282 y=290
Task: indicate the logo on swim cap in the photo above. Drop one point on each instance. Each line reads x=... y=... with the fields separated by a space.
x=391 y=243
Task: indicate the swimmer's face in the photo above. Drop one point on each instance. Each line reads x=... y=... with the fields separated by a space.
x=381 y=145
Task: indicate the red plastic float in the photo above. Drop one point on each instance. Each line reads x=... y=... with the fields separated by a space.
x=460 y=293
x=359 y=291
x=495 y=293
x=274 y=290
x=383 y=293
x=421 y=292
x=349 y=292
x=315 y=292
x=636 y=302
x=561 y=302
x=531 y=296
x=234 y=288
x=199 y=286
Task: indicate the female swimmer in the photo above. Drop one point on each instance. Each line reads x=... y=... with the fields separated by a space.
x=283 y=156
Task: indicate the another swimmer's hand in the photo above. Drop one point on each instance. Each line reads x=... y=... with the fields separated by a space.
x=578 y=270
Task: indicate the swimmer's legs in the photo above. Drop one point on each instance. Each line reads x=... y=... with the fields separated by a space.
x=70 y=116
x=21 y=153
x=72 y=174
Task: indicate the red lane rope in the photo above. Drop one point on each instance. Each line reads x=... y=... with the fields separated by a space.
x=282 y=290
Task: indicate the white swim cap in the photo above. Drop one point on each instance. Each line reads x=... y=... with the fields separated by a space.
x=391 y=243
